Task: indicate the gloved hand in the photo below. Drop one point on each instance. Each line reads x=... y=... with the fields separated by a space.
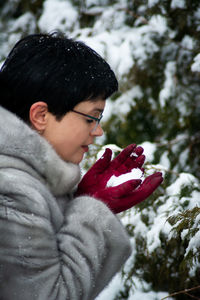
x=99 y=174
x=130 y=193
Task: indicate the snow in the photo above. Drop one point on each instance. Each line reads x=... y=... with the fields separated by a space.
x=177 y=4
x=164 y=161
x=187 y=42
x=125 y=102
x=159 y=24
x=149 y=149
x=194 y=243
x=26 y=21
x=113 y=147
x=115 y=286
x=183 y=180
x=111 y=17
x=159 y=225
x=196 y=65
x=124 y=47
x=169 y=86
x=195 y=197
x=193 y=269
x=134 y=174
x=58 y=14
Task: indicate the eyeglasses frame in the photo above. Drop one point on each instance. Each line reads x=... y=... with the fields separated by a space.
x=91 y=117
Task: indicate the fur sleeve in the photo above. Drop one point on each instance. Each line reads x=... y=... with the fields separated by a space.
x=74 y=261
x=99 y=247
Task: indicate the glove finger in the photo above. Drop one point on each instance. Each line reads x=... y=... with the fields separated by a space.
x=130 y=158
x=140 y=194
x=125 y=188
x=102 y=163
x=144 y=190
x=130 y=164
x=153 y=178
x=139 y=150
x=136 y=163
x=123 y=156
x=150 y=184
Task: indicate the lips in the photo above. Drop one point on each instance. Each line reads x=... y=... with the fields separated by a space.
x=85 y=148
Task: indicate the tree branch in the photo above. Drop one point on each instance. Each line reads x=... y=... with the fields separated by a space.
x=184 y=292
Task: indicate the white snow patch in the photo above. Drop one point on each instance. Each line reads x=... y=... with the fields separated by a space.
x=149 y=149
x=58 y=15
x=134 y=174
x=183 y=180
x=24 y=22
x=159 y=24
x=177 y=4
x=169 y=85
x=164 y=160
x=113 y=147
x=126 y=101
x=194 y=244
x=188 y=42
x=196 y=65
x=112 y=289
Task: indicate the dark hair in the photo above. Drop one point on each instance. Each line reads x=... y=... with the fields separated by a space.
x=52 y=68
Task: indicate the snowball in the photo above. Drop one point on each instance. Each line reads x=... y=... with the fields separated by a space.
x=134 y=174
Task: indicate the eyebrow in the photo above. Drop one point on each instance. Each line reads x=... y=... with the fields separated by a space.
x=97 y=110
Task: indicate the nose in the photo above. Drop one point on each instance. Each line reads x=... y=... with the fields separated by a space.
x=98 y=131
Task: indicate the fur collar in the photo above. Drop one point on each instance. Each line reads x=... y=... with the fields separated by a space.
x=32 y=153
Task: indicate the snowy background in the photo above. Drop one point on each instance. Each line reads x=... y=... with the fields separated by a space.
x=153 y=47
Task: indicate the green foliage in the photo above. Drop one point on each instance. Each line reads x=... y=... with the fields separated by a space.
x=187 y=221
x=181 y=112
x=174 y=264
x=166 y=113
x=14 y=9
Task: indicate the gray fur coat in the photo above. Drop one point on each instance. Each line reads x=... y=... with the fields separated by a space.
x=51 y=248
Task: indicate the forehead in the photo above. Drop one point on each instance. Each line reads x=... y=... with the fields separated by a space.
x=90 y=106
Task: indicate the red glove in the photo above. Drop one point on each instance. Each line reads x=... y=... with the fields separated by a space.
x=99 y=174
x=128 y=194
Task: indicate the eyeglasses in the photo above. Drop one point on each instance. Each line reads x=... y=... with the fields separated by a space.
x=91 y=117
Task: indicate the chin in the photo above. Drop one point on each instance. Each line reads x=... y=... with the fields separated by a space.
x=75 y=160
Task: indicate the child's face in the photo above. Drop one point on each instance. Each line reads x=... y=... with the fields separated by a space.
x=71 y=136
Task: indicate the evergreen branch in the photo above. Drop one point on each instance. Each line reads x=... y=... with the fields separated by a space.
x=172 y=142
x=149 y=166
x=184 y=292
x=99 y=11
x=131 y=13
x=194 y=297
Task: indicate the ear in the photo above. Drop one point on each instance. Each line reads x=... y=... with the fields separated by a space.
x=38 y=115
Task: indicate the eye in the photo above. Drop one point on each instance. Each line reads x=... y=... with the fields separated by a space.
x=90 y=121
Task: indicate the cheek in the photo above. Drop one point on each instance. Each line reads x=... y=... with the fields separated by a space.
x=74 y=140
x=67 y=137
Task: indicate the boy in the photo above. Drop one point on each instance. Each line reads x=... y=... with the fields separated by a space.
x=58 y=241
